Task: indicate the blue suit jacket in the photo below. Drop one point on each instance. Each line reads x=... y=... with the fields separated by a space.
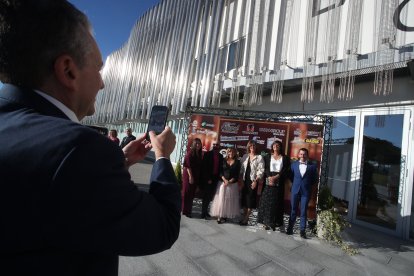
x=67 y=203
x=303 y=184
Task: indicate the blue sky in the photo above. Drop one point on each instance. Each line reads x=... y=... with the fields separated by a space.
x=112 y=20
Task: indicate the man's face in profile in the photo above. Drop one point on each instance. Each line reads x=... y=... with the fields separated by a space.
x=90 y=78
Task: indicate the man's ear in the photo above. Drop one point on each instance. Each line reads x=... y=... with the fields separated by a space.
x=66 y=71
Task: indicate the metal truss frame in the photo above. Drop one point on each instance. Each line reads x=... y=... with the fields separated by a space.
x=326 y=121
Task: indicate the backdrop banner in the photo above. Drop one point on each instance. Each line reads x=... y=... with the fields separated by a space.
x=233 y=132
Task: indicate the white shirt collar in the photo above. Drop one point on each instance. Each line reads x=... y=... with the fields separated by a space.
x=69 y=113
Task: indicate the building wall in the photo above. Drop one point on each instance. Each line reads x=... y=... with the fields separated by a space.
x=184 y=52
x=228 y=53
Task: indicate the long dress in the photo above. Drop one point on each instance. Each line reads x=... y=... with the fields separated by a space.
x=188 y=190
x=226 y=202
x=270 y=211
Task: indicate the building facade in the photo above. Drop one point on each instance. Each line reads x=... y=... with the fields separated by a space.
x=346 y=58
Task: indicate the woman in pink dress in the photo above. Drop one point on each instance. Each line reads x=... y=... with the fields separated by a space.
x=226 y=200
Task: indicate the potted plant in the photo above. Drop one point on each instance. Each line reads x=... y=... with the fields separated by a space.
x=178 y=174
x=330 y=223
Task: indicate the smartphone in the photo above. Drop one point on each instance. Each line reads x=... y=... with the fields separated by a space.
x=158 y=119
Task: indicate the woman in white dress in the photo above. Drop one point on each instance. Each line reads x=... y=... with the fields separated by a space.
x=226 y=200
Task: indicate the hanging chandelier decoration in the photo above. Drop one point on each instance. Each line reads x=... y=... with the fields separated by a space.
x=384 y=75
x=350 y=61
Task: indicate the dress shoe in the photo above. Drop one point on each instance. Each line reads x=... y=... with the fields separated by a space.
x=303 y=234
x=219 y=221
x=205 y=216
x=289 y=231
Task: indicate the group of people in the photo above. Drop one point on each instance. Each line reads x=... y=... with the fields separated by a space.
x=113 y=136
x=232 y=184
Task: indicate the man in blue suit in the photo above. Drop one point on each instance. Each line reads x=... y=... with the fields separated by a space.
x=303 y=176
x=67 y=202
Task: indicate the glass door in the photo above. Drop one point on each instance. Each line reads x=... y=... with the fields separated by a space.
x=382 y=165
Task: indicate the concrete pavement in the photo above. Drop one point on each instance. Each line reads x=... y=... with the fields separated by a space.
x=207 y=248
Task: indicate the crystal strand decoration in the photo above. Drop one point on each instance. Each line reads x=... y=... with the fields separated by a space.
x=234 y=92
x=277 y=87
x=309 y=62
x=386 y=43
x=349 y=63
x=278 y=79
x=329 y=54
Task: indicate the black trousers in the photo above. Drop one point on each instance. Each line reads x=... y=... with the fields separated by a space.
x=208 y=192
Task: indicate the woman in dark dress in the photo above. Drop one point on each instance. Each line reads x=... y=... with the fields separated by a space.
x=251 y=174
x=271 y=207
x=191 y=176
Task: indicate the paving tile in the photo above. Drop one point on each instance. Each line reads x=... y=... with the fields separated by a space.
x=237 y=250
x=332 y=264
x=193 y=245
x=222 y=264
x=268 y=248
x=175 y=262
x=298 y=264
x=136 y=266
x=400 y=262
x=272 y=269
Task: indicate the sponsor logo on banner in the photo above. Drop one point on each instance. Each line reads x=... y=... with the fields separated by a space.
x=229 y=127
x=205 y=124
x=276 y=132
x=312 y=141
x=234 y=138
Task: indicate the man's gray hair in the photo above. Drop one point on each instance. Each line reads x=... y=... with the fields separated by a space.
x=34 y=33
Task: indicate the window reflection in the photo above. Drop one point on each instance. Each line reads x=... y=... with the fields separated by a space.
x=380 y=170
x=340 y=161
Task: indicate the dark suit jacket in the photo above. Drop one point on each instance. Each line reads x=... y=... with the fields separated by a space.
x=67 y=203
x=207 y=168
x=303 y=184
x=126 y=140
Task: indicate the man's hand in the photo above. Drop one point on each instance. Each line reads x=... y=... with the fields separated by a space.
x=164 y=143
x=136 y=150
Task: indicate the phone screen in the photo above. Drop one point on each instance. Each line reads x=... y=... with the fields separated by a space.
x=158 y=119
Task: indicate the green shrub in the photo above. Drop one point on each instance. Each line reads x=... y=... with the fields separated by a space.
x=178 y=174
x=330 y=223
x=325 y=198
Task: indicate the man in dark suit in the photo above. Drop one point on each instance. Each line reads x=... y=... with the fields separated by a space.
x=128 y=138
x=67 y=202
x=303 y=176
x=210 y=172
